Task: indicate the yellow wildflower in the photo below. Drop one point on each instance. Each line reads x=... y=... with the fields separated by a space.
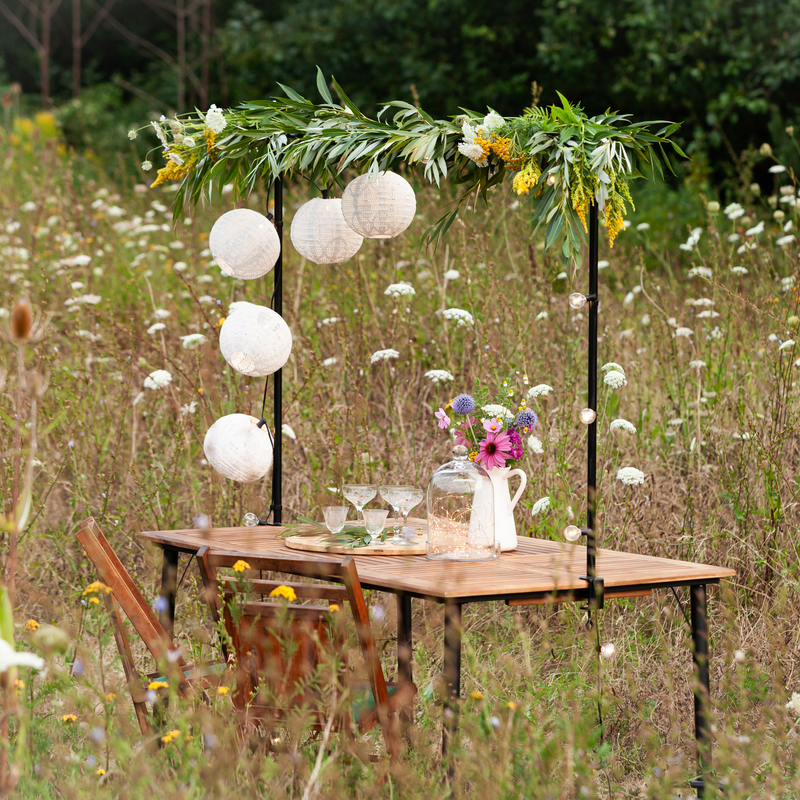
x=512 y=705
x=69 y=718
x=221 y=322
x=168 y=737
x=581 y=195
x=31 y=625
x=96 y=588
x=171 y=172
x=484 y=144
x=110 y=697
x=210 y=149
x=100 y=771
x=223 y=690
x=240 y=566
x=94 y=601
x=18 y=684
x=333 y=607
x=476 y=695
x=284 y=591
x=154 y=685
x=473 y=456
x=527 y=177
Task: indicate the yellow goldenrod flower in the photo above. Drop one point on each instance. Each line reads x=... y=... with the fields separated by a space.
x=111 y=697
x=69 y=718
x=240 y=566
x=31 y=625
x=527 y=177
x=154 y=685
x=223 y=690
x=284 y=591
x=473 y=456
x=100 y=771
x=333 y=607
x=512 y=705
x=96 y=588
x=476 y=695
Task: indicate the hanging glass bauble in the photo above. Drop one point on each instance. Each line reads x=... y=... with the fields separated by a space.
x=255 y=340
x=379 y=205
x=244 y=244
x=320 y=234
x=238 y=449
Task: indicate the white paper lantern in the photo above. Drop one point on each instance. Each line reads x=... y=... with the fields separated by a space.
x=255 y=340
x=379 y=205
x=238 y=449
x=244 y=244
x=320 y=233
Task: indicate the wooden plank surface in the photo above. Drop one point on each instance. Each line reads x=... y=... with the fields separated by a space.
x=535 y=566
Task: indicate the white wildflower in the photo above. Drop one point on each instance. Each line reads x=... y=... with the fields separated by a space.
x=9 y=657
x=756 y=229
x=787 y=344
x=708 y=314
x=495 y=410
x=192 y=340
x=602 y=264
x=215 y=119
x=329 y=362
x=784 y=240
x=75 y=285
x=542 y=390
x=439 y=375
x=696 y=364
x=794 y=703
x=287 y=430
x=161 y=313
x=676 y=422
x=540 y=316
x=474 y=152
x=155 y=327
x=623 y=425
x=776 y=168
x=733 y=237
x=733 y=211
x=716 y=333
x=643 y=226
x=773 y=337
x=161 y=136
x=645 y=319
x=535 y=445
x=452 y=275
x=687 y=332
x=459 y=316
x=694 y=238
x=383 y=355
x=630 y=476
x=180 y=266
x=702 y=302
x=703 y=272
x=614 y=379
x=493 y=121
x=189 y=408
x=29 y=206
x=400 y=290
x=739 y=270
x=88 y=299
x=147 y=165
x=157 y=379
x=542 y=504
x=188 y=141
x=176 y=159
x=612 y=366
x=629 y=298
x=132 y=135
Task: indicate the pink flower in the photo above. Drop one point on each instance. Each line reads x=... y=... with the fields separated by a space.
x=461 y=435
x=444 y=420
x=493 y=425
x=494 y=450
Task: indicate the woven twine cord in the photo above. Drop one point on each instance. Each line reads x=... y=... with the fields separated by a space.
x=320 y=234
x=379 y=205
x=238 y=449
x=244 y=244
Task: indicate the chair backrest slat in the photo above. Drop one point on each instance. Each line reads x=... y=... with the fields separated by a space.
x=308 y=590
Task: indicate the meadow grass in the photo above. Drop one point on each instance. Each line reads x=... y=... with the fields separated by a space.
x=709 y=358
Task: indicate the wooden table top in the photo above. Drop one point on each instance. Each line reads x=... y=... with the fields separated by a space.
x=537 y=567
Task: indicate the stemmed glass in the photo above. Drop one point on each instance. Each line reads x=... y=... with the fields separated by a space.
x=335 y=517
x=359 y=494
x=402 y=499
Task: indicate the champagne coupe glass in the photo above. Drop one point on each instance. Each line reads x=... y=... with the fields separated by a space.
x=395 y=496
x=375 y=521
x=335 y=517
x=359 y=494
x=408 y=501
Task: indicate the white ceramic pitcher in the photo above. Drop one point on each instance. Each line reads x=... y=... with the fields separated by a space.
x=502 y=525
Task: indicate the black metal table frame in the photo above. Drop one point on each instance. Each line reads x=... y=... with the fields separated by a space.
x=453 y=640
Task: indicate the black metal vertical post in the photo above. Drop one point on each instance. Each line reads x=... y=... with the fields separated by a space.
x=404 y=645
x=452 y=679
x=277 y=453
x=591 y=466
x=702 y=692
x=169 y=584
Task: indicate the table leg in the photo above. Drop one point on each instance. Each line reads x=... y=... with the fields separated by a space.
x=702 y=694
x=404 y=642
x=452 y=679
x=169 y=581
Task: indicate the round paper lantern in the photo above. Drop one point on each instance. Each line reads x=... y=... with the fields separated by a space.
x=238 y=449
x=320 y=233
x=244 y=244
x=255 y=340
x=379 y=205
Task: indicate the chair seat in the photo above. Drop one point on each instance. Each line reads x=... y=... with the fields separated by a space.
x=363 y=701
x=192 y=673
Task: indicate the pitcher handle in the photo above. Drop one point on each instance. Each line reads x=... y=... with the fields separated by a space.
x=522 y=485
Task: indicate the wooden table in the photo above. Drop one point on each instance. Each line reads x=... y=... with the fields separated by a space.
x=538 y=571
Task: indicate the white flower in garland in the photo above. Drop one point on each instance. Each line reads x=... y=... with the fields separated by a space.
x=615 y=379
x=542 y=390
x=623 y=425
x=215 y=119
x=474 y=152
x=458 y=315
x=439 y=376
x=630 y=476
x=400 y=290
x=493 y=121
x=383 y=355
x=543 y=504
x=160 y=133
x=535 y=445
x=176 y=159
x=159 y=379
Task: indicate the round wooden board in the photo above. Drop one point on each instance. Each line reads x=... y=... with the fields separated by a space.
x=316 y=544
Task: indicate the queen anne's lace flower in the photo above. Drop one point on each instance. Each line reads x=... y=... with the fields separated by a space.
x=439 y=375
x=494 y=410
x=615 y=379
x=458 y=315
x=158 y=379
x=540 y=505
x=794 y=703
x=542 y=390
x=286 y=430
x=685 y=332
x=215 y=119
x=400 y=290
x=787 y=344
x=383 y=355
x=623 y=425
x=703 y=272
x=612 y=365
x=696 y=364
x=329 y=362
x=155 y=327
x=535 y=445
x=193 y=340
x=733 y=211
x=630 y=476
x=784 y=240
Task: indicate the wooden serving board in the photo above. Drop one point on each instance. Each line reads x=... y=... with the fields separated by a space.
x=317 y=544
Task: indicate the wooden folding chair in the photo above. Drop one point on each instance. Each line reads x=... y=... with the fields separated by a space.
x=280 y=647
x=125 y=595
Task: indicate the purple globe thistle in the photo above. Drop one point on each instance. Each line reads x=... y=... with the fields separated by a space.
x=463 y=404
x=526 y=419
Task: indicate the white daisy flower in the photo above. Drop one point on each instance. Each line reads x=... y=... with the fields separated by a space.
x=542 y=504
x=383 y=355
x=439 y=375
x=623 y=425
x=630 y=476
x=733 y=211
x=157 y=379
